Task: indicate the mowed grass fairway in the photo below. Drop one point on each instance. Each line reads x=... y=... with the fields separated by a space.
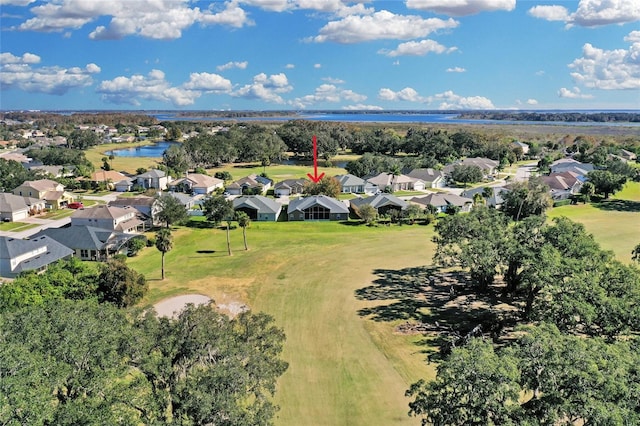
x=614 y=223
x=344 y=369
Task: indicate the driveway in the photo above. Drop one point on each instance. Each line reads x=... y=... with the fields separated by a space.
x=524 y=172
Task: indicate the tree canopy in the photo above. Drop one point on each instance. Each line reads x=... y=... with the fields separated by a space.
x=79 y=362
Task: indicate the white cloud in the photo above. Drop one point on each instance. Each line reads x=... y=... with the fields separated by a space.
x=575 y=94
x=16 y=2
x=362 y=107
x=418 y=48
x=450 y=101
x=609 y=69
x=290 y=66
x=27 y=58
x=550 y=13
x=152 y=87
x=332 y=80
x=379 y=26
x=207 y=82
x=461 y=7
x=456 y=69
x=407 y=94
x=317 y=66
x=532 y=102
x=591 y=13
x=230 y=65
x=272 y=5
x=233 y=16
x=156 y=19
x=328 y=93
x=265 y=88
x=17 y=72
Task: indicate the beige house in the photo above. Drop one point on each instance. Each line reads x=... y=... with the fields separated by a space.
x=196 y=183
x=50 y=191
x=123 y=219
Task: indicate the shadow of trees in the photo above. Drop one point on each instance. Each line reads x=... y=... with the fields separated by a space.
x=619 y=205
x=441 y=305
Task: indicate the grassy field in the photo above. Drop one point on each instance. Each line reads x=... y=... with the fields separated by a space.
x=345 y=368
x=16 y=226
x=615 y=223
x=121 y=164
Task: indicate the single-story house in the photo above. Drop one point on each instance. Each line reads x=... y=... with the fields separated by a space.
x=185 y=199
x=440 y=201
x=523 y=146
x=258 y=207
x=153 y=179
x=351 y=184
x=123 y=219
x=35 y=254
x=50 y=191
x=107 y=176
x=391 y=182
x=15 y=208
x=432 y=178
x=88 y=242
x=628 y=155
x=487 y=165
x=495 y=194
x=317 y=207
x=563 y=185
x=249 y=184
x=289 y=187
x=383 y=203
x=125 y=185
x=571 y=165
x=196 y=183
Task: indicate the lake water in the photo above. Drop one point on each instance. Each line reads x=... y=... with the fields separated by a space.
x=154 y=150
x=383 y=117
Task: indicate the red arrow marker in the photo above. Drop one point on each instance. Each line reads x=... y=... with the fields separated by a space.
x=315 y=178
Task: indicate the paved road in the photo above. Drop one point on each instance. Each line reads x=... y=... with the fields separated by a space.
x=42 y=224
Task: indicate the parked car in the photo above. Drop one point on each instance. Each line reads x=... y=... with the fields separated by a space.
x=75 y=205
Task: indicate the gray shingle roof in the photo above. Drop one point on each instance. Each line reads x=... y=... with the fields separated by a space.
x=86 y=237
x=257 y=202
x=380 y=200
x=304 y=203
x=49 y=251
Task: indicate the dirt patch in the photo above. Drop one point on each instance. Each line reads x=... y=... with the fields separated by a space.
x=173 y=306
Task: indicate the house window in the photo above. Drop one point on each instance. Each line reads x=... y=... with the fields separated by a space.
x=316 y=213
x=84 y=254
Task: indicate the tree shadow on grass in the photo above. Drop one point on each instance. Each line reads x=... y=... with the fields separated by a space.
x=441 y=305
x=619 y=205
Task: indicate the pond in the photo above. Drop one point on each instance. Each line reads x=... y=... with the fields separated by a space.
x=154 y=150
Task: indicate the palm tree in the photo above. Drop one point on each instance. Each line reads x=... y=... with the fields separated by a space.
x=164 y=243
x=243 y=221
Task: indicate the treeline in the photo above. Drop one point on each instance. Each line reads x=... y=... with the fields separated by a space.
x=50 y=120
x=73 y=351
x=572 y=357
x=569 y=117
x=267 y=144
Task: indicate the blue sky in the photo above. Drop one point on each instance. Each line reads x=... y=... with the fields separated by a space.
x=319 y=54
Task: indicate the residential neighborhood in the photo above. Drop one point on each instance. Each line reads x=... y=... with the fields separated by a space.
x=103 y=230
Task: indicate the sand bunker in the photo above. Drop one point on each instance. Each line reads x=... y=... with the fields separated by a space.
x=173 y=306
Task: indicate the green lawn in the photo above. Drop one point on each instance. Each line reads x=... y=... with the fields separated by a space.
x=277 y=172
x=345 y=369
x=57 y=214
x=615 y=223
x=16 y=226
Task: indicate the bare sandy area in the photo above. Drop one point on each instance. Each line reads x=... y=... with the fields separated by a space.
x=173 y=306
